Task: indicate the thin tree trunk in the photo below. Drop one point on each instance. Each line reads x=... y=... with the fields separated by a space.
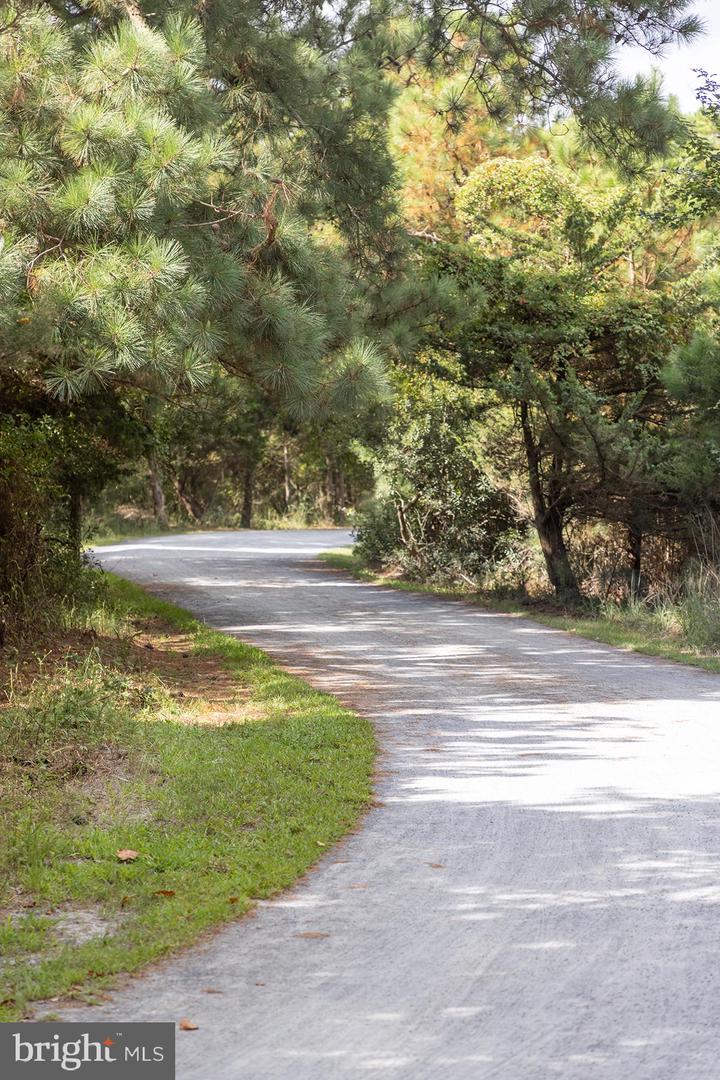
x=156 y=490
x=6 y=505
x=329 y=488
x=635 y=539
x=75 y=520
x=286 y=475
x=248 y=495
x=189 y=503
x=631 y=267
x=548 y=522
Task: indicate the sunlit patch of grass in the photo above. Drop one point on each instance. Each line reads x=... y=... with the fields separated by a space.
x=103 y=618
x=685 y=630
x=104 y=759
x=118 y=531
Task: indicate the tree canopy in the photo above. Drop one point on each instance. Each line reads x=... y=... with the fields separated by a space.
x=237 y=203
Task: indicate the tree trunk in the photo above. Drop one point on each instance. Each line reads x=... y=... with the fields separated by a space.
x=187 y=500
x=548 y=522
x=329 y=488
x=340 y=489
x=156 y=490
x=286 y=475
x=6 y=505
x=549 y=527
x=248 y=494
x=75 y=520
x=635 y=539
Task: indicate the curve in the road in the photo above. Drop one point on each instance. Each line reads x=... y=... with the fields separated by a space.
x=537 y=893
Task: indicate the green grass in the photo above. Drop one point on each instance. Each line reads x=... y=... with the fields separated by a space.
x=219 y=816
x=111 y=535
x=632 y=630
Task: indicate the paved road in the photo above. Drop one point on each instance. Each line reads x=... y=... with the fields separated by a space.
x=538 y=894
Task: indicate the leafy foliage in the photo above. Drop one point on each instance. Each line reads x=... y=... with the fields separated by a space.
x=438 y=516
x=39 y=569
x=188 y=190
x=571 y=349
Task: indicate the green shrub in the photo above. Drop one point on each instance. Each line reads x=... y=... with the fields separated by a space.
x=689 y=613
x=41 y=569
x=439 y=517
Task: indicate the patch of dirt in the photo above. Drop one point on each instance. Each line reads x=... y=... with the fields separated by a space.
x=67 y=924
x=204 y=690
x=107 y=790
x=77 y=925
x=158 y=649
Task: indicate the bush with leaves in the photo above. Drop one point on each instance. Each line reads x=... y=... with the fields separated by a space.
x=40 y=568
x=438 y=516
x=568 y=340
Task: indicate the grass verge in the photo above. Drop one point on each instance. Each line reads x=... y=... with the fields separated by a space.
x=110 y=536
x=143 y=731
x=631 y=630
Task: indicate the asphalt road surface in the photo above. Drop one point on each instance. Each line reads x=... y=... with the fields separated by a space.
x=536 y=895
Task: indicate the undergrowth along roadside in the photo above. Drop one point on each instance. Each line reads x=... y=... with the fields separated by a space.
x=144 y=732
x=637 y=628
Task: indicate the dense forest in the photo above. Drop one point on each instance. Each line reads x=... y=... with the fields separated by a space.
x=429 y=270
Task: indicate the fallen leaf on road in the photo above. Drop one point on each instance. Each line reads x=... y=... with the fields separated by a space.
x=212 y=990
x=437 y=865
x=127 y=855
x=164 y=892
x=312 y=934
x=357 y=885
x=187 y=1025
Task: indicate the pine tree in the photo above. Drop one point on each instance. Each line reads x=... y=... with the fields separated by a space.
x=569 y=347
x=184 y=184
x=440 y=131
x=188 y=185
x=141 y=245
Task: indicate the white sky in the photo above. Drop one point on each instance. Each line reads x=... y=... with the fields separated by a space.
x=676 y=66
